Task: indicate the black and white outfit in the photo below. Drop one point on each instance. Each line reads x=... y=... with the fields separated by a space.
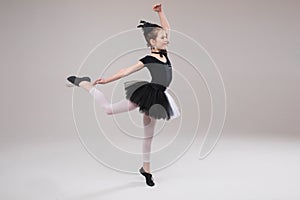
x=152 y=97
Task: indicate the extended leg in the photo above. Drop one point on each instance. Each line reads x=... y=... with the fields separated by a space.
x=119 y=107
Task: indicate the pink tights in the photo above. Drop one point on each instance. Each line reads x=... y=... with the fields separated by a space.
x=123 y=106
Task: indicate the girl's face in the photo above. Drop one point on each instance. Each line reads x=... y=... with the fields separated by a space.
x=161 y=41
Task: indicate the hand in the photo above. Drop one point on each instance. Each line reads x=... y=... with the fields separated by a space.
x=157 y=7
x=99 y=81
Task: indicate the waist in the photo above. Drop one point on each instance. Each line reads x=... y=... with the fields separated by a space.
x=158 y=86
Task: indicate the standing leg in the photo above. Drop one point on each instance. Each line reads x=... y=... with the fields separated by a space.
x=149 y=125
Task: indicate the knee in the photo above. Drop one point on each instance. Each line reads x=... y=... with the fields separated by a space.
x=108 y=111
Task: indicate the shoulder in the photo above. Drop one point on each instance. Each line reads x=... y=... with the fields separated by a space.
x=147 y=59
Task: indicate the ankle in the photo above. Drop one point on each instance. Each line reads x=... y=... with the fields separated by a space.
x=85 y=85
x=146 y=167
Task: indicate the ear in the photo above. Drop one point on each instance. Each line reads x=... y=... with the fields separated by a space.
x=152 y=42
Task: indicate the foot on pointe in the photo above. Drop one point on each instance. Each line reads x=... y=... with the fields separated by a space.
x=148 y=177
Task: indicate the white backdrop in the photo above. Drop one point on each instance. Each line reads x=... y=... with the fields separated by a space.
x=255 y=45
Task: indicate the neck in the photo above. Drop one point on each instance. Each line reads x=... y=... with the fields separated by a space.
x=155 y=50
x=159 y=51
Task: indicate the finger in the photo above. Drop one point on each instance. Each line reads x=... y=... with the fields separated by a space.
x=155 y=5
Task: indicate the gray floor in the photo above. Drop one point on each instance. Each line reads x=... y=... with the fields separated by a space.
x=238 y=168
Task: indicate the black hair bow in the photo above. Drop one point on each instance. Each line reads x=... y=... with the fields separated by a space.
x=145 y=24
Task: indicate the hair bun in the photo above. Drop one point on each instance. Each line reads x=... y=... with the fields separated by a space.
x=145 y=24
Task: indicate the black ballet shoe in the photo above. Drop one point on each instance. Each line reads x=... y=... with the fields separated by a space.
x=76 y=80
x=148 y=176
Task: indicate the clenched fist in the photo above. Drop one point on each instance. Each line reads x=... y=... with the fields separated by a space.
x=157 y=7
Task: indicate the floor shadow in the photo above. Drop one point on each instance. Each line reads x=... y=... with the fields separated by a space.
x=110 y=190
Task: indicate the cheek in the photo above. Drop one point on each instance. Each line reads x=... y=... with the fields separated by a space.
x=161 y=41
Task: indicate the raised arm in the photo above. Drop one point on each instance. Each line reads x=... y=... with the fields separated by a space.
x=162 y=17
x=121 y=73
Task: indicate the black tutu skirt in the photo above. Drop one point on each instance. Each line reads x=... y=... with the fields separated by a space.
x=150 y=97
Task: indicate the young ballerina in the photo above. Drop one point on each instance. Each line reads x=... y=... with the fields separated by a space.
x=151 y=97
